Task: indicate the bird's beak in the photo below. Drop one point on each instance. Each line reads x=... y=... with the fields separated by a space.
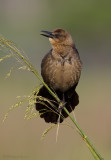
x=47 y=34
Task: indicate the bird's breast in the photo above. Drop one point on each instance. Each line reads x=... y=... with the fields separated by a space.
x=62 y=73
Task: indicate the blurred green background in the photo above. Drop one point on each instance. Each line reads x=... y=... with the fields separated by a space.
x=89 y=22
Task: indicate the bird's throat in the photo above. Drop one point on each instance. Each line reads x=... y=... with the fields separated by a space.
x=62 y=50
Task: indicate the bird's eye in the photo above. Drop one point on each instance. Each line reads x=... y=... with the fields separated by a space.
x=57 y=35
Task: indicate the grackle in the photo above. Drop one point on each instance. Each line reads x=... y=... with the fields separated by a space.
x=60 y=69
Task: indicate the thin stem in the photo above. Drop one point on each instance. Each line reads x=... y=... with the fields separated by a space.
x=83 y=135
x=32 y=69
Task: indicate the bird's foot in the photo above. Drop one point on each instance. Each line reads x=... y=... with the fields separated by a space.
x=61 y=106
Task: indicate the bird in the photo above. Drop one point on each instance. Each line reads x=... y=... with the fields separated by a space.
x=60 y=69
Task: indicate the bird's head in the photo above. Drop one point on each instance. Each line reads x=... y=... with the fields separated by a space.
x=59 y=37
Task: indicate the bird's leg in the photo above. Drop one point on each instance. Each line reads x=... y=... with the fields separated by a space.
x=61 y=106
x=61 y=103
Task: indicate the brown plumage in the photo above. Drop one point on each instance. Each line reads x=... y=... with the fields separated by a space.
x=60 y=69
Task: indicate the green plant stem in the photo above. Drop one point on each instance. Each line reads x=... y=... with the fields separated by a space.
x=83 y=135
x=32 y=69
x=94 y=152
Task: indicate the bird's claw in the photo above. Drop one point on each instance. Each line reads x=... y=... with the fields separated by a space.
x=61 y=106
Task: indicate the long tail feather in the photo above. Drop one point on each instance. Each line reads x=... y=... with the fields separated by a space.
x=50 y=113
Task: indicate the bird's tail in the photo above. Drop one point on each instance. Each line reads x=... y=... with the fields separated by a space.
x=48 y=106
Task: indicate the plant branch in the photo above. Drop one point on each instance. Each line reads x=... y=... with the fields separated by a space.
x=31 y=68
x=83 y=135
